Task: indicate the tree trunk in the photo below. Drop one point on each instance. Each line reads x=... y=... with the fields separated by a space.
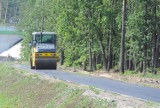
x=114 y=60
x=157 y=51
x=122 y=51
x=0 y=9
x=110 y=54
x=155 y=38
x=90 y=57
x=94 y=62
x=153 y=53
x=102 y=51
x=145 y=46
x=103 y=57
x=6 y=13
x=141 y=67
x=126 y=62
x=145 y=58
x=62 y=57
x=130 y=62
x=42 y=26
x=85 y=65
x=98 y=59
x=15 y=13
x=100 y=40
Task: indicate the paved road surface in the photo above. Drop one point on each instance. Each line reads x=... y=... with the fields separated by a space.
x=142 y=92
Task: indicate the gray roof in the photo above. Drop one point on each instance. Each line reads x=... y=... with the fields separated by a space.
x=43 y=33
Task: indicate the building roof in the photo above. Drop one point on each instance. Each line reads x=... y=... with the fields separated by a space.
x=43 y=33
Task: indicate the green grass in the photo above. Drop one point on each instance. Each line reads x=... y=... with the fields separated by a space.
x=18 y=91
x=6 y=102
x=10 y=32
x=95 y=90
x=146 y=75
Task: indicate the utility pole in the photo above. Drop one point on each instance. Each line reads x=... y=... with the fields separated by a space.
x=42 y=26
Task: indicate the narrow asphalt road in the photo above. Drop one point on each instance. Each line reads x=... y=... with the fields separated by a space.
x=146 y=93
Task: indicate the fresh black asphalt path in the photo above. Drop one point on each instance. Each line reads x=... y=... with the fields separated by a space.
x=142 y=92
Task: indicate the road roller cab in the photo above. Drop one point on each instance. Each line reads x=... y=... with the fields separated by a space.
x=43 y=51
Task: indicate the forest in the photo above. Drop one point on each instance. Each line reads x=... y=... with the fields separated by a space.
x=9 y=11
x=93 y=34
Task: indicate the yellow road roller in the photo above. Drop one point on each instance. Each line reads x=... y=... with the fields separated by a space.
x=43 y=51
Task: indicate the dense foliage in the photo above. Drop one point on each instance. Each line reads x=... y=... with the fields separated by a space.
x=89 y=31
x=9 y=11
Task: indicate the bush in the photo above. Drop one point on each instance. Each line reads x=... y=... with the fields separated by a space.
x=99 y=66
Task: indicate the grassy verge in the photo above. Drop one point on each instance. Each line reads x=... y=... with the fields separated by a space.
x=19 y=89
x=142 y=75
x=10 y=32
